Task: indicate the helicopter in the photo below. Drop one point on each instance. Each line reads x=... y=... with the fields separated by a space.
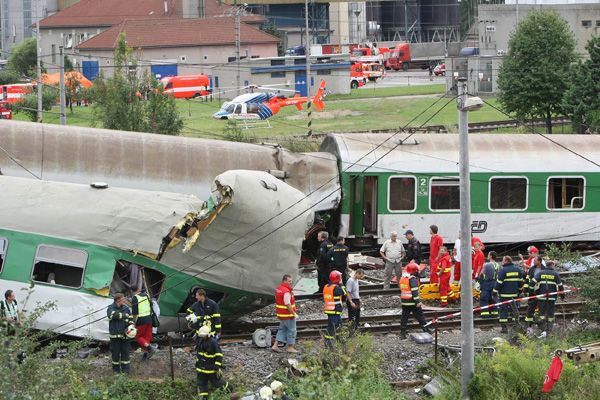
x=261 y=106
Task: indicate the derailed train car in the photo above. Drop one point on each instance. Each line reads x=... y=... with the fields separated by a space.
x=75 y=245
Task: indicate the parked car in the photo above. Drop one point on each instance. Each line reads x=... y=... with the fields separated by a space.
x=440 y=69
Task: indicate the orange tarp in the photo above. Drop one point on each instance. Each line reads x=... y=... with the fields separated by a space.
x=70 y=77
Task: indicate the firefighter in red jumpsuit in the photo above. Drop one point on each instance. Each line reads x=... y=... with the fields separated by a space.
x=443 y=272
x=435 y=244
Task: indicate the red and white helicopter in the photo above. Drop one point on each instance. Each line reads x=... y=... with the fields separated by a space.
x=261 y=106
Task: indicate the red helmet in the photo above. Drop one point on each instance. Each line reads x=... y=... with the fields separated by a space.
x=335 y=277
x=412 y=268
x=532 y=249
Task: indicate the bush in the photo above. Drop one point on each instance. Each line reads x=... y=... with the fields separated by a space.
x=28 y=105
x=8 y=76
x=518 y=373
x=351 y=370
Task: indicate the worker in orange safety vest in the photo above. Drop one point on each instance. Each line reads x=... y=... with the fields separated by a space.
x=409 y=296
x=333 y=295
x=285 y=309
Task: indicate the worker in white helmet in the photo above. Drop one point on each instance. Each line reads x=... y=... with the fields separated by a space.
x=265 y=393
x=278 y=393
x=208 y=363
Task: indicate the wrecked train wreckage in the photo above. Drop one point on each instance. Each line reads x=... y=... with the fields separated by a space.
x=75 y=245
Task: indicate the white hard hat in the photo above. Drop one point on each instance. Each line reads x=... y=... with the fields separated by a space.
x=265 y=393
x=276 y=385
x=204 y=331
x=193 y=318
x=131 y=332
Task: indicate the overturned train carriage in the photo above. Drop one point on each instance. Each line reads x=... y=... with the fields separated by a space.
x=74 y=245
x=157 y=162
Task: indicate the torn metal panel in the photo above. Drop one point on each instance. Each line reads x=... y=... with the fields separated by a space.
x=255 y=240
x=156 y=162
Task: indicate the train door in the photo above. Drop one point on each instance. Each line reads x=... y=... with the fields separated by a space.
x=363 y=205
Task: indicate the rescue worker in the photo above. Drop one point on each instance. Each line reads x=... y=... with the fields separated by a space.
x=323 y=268
x=409 y=297
x=354 y=299
x=207 y=312
x=526 y=264
x=547 y=281
x=392 y=251
x=487 y=282
x=208 y=363
x=413 y=248
x=477 y=260
x=278 y=393
x=457 y=257
x=528 y=288
x=141 y=307
x=434 y=248
x=285 y=309
x=443 y=273
x=508 y=285
x=333 y=305
x=338 y=256
x=119 y=318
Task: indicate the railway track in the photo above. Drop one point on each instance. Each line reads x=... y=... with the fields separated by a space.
x=473 y=127
x=387 y=323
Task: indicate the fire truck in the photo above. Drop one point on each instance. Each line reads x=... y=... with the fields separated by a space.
x=15 y=91
x=5 y=111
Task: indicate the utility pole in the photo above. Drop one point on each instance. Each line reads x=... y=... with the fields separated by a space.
x=63 y=106
x=466 y=290
x=40 y=85
x=517 y=6
x=307 y=54
x=405 y=21
x=237 y=11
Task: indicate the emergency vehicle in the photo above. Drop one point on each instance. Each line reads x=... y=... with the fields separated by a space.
x=5 y=111
x=187 y=86
x=357 y=78
x=15 y=91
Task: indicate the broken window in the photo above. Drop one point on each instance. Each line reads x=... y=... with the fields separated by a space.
x=59 y=266
x=3 y=246
x=508 y=193
x=402 y=193
x=129 y=275
x=444 y=194
x=565 y=193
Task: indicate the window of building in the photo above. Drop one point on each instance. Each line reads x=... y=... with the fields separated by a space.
x=598 y=22
x=299 y=61
x=444 y=194
x=278 y=62
x=586 y=23
x=508 y=194
x=3 y=247
x=323 y=72
x=401 y=191
x=278 y=74
x=565 y=193
x=59 y=265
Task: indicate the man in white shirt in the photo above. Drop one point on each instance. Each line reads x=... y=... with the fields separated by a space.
x=354 y=299
x=456 y=275
x=392 y=252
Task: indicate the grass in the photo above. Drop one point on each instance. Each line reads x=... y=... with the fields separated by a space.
x=340 y=115
x=374 y=91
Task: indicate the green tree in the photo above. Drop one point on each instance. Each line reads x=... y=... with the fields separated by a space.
x=534 y=74
x=28 y=105
x=9 y=76
x=120 y=101
x=163 y=116
x=23 y=57
x=581 y=101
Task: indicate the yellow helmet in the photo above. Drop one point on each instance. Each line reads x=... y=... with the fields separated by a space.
x=204 y=331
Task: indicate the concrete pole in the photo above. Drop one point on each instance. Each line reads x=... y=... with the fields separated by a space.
x=307 y=53
x=40 y=85
x=466 y=290
x=63 y=105
x=238 y=11
x=517 y=6
x=405 y=21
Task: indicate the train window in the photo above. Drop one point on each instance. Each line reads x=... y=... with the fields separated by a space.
x=3 y=247
x=565 y=193
x=508 y=193
x=401 y=191
x=444 y=194
x=59 y=266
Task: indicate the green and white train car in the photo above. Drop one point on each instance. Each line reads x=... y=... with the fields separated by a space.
x=75 y=245
x=523 y=187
